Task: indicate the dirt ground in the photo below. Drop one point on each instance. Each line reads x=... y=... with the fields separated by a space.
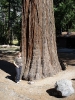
x=40 y=89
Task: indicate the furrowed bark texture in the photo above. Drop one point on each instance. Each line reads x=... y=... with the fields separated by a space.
x=38 y=40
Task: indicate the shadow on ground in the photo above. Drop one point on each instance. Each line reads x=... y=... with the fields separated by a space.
x=73 y=79
x=54 y=92
x=8 y=68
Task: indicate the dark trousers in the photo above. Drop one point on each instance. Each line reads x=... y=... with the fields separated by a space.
x=18 y=73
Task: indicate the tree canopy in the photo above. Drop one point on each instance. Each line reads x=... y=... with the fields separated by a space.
x=10 y=15
x=10 y=18
x=64 y=15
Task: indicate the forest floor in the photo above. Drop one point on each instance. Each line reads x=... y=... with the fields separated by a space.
x=40 y=89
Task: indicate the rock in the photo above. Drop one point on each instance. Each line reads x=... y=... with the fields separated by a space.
x=30 y=82
x=65 y=87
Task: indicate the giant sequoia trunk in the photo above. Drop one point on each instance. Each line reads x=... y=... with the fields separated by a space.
x=39 y=50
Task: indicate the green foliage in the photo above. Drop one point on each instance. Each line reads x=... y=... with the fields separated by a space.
x=10 y=17
x=64 y=14
x=17 y=31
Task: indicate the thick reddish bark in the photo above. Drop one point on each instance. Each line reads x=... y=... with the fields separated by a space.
x=38 y=40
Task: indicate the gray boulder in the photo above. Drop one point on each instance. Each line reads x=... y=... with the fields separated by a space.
x=65 y=87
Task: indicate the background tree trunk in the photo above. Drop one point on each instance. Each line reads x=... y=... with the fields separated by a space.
x=39 y=50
